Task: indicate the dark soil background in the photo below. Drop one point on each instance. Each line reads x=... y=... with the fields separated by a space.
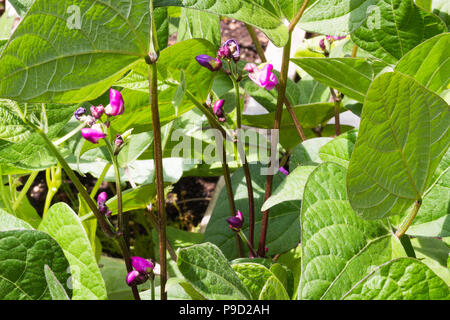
x=189 y=199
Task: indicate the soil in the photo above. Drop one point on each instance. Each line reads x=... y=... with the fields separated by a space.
x=190 y=196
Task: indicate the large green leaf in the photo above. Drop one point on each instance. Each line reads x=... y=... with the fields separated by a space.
x=351 y=76
x=397 y=27
x=338 y=248
x=205 y=267
x=284 y=231
x=307 y=152
x=23 y=255
x=401 y=279
x=253 y=275
x=336 y=17
x=429 y=63
x=21 y=6
x=340 y=149
x=65 y=60
x=291 y=188
x=10 y=222
x=54 y=286
x=64 y=225
x=273 y=290
x=198 y=24
x=31 y=153
x=246 y=11
x=403 y=136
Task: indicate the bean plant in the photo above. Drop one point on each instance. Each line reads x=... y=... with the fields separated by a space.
x=308 y=206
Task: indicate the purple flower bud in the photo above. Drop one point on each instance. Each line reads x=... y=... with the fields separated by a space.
x=250 y=67
x=79 y=112
x=218 y=110
x=264 y=77
x=136 y=278
x=97 y=111
x=235 y=223
x=230 y=50
x=101 y=203
x=211 y=63
x=322 y=44
x=142 y=265
x=224 y=52
x=116 y=104
x=118 y=141
x=283 y=171
x=93 y=134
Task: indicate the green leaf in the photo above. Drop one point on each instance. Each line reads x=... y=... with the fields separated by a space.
x=273 y=290
x=10 y=222
x=351 y=76
x=291 y=188
x=254 y=276
x=74 y=60
x=402 y=138
x=441 y=8
x=31 y=154
x=246 y=11
x=54 y=286
x=205 y=267
x=340 y=149
x=292 y=260
x=429 y=63
x=307 y=152
x=12 y=128
x=198 y=24
x=23 y=255
x=21 y=6
x=284 y=231
x=64 y=225
x=401 y=279
x=177 y=289
x=338 y=249
x=336 y=17
x=396 y=27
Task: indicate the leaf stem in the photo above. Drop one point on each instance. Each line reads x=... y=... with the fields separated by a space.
x=256 y=42
x=337 y=105
x=25 y=189
x=297 y=17
x=249 y=245
x=409 y=219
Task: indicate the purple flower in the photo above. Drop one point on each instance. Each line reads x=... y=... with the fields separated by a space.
x=101 y=203
x=218 y=110
x=283 y=171
x=116 y=104
x=250 y=67
x=78 y=113
x=135 y=278
x=97 y=111
x=235 y=223
x=331 y=38
x=230 y=50
x=142 y=265
x=93 y=134
x=211 y=63
x=322 y=44
x=264 y=77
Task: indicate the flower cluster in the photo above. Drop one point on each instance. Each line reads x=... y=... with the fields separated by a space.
x=143 y=269
x=95 y=131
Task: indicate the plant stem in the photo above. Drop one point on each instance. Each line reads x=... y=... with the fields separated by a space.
x=100 y=179
x=70 y=134
x=7 y=202
x=276 y=126
x=122 y=227
x=154 y=223
x=256 y=42
x=157 y=151
x=152 y=288
x=25 y=189
x=409 y=219
x=297 y=17
x=225 y=168
x=248 y=179
x=85 y=195
x=337 y=120
x=354 y=50
x=249 y=245
x=297 y=124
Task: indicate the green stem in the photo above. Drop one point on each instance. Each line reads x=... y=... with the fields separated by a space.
x=85 y=195
x=409 y=220
x=69 y=135
x=100 y=179
x=152 y=288
x=249 y=245
x=337 y=121
x=297 y=17
x=256 y=42
x=25 y=189
x=6 y=202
